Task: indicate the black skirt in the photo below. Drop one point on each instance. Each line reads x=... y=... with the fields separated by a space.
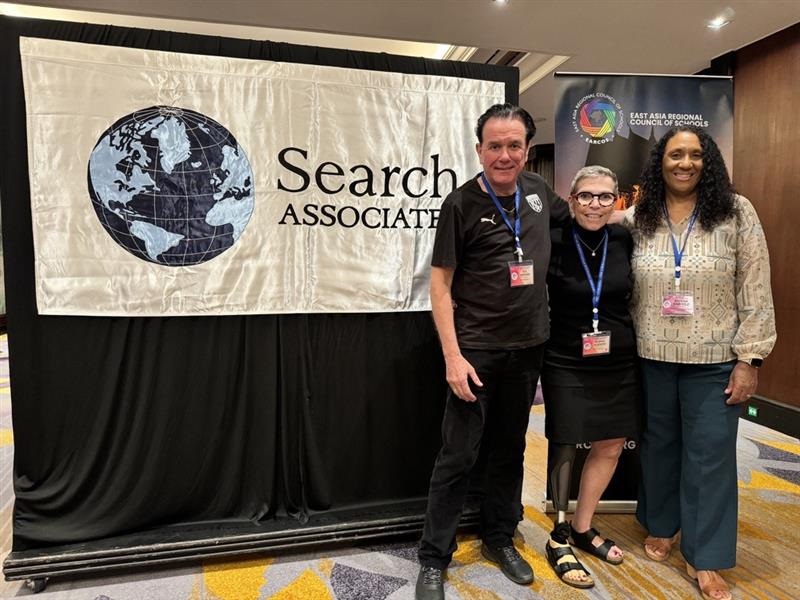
x=586 y=403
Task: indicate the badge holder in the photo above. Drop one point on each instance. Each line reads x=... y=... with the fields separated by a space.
x=677 y=304
x=520 y=273
x=596 y=343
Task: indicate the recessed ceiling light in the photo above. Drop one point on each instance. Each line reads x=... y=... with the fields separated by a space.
x=500 y=1
x=724 y=18
x=717 y=23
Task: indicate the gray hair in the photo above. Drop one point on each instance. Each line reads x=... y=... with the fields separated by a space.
x=591 y=172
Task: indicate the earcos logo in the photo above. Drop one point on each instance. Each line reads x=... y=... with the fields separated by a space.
x=597 y=118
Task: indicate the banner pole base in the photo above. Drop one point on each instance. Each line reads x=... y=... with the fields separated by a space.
x=603 y=507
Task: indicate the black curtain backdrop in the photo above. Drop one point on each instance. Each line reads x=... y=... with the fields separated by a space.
x=543 y=163
x=127 y=424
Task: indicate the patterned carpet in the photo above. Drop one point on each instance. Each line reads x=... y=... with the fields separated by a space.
x=768 y=553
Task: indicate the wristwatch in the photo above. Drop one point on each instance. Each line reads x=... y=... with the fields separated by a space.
x=753 y=362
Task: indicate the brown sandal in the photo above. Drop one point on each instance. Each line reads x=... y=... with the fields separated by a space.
x=662 y=545
x=717 y=584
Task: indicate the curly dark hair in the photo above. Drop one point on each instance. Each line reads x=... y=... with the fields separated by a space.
x=715 y=193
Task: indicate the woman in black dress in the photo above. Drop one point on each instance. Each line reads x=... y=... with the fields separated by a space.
x=590 y=378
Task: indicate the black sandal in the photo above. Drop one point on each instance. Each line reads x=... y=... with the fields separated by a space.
x=561 y=569
x=584 y=542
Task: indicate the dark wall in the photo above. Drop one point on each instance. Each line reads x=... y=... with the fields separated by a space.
x=767 y=170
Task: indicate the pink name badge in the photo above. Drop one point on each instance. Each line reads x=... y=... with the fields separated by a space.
x=595 y=344
x=520 y=273
x=677 y=305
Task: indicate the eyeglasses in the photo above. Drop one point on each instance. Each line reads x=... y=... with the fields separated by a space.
x=604 y=199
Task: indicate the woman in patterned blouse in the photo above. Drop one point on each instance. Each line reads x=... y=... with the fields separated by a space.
x=704 y=319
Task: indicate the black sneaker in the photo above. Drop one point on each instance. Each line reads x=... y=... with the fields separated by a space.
x=429 y=584
x=511 y=563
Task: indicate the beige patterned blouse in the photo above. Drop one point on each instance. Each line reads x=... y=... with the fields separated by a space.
x=727 y=272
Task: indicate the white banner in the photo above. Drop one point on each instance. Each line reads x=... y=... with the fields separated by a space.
x=175 y=184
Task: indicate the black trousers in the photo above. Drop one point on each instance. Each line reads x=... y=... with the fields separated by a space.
x=499 y=420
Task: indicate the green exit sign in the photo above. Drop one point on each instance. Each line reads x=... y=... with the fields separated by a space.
x=752 y=411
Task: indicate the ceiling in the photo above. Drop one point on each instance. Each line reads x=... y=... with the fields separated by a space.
x=608 y=36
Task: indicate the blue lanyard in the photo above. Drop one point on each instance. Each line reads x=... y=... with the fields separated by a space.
x=597 y=286
x=678 y=254
x=517 y=220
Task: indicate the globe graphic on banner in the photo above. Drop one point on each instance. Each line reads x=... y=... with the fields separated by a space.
x=171 y=186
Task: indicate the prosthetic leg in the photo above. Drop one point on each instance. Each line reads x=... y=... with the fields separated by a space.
x=560 y=458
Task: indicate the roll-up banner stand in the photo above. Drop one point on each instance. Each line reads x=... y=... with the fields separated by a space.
x=614 y=120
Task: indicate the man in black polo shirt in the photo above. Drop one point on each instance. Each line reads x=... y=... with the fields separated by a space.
x=489 y=304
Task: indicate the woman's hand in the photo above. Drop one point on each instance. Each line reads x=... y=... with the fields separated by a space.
x=742 y=384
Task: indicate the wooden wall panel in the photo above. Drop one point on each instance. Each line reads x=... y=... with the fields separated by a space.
x=766 y=169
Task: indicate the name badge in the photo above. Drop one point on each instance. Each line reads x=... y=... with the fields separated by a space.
x=677 y=305
x=595 y=344
x=520 y=273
